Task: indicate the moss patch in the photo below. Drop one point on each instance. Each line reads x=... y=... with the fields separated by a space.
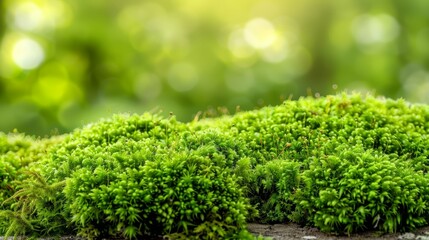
x=342 y=163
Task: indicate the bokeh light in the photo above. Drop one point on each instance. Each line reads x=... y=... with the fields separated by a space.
x=277 y=51
x=259 y=33
x=53 y=87
x=38 y=16
x=26 y=16
x=373 y=29
x=238 y=45
x=27 y=53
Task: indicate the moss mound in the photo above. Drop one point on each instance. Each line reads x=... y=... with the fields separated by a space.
x=143 y=175
x=342 y=163
x=18 y=154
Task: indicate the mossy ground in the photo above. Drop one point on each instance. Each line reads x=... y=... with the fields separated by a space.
x=343 y=163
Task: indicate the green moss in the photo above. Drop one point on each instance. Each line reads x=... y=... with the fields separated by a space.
x=18 y=153
x=316 y=134
x=342 y=163
x=143 y=175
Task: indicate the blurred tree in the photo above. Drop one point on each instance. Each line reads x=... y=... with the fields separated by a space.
x=64 y=63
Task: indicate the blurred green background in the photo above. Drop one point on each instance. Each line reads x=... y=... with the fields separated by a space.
x=64 y=63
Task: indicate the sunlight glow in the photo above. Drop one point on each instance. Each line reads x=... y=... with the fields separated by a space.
x=27 y=53
x=278 y=51
x=372 y=29
x=238 y=45
x=27 y=16
x=260 y=33
x=40 y=15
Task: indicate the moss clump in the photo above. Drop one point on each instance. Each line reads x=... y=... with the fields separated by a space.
x=143 y=175
x=342 y=163
x=18 y=153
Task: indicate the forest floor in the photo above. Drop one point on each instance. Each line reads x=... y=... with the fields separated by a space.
x=294 y=231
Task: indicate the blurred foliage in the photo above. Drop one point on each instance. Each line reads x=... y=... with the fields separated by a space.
x=64 y=63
